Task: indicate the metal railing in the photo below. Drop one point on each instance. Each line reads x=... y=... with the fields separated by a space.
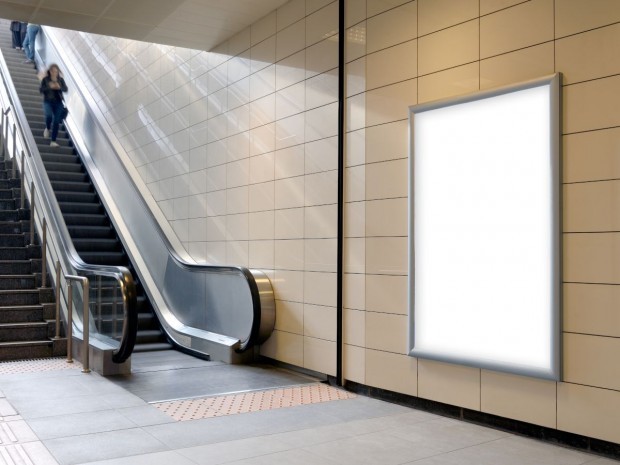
x=57 y=246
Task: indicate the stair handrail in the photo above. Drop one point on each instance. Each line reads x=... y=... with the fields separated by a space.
x=71 y=262
x=258 y=283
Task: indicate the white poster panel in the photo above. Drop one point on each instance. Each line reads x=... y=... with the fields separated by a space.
x=485 y=229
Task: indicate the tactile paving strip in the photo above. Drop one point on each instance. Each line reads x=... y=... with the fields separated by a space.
x=255 y=401
x=37 y=365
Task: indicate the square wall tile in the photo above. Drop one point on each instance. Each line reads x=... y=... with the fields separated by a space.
x=590 y=360
x=387 y=180
x=291 y=40
x=290 y=13
x=291 y=70
x=321 y=155
x=354 y=327
x=289 y=223
x=262 y=139
x=262 y=197
x=434 y=15
x=320 y=355
x=354 y=255
x=391 y=65
x=356 y=77
x=393 y=27
x=390 y=103
x=448 y=48
x=354 y=363
x=289 y=255
x=514 y=67
x=591 y=309
x=387 y=294
x=261 y=168
x=321 y=222
x=389 y=217
x=489 y=6
x=289 y=285
x=589 y=411
x=450 y=384
x=290 y=316
x=354 y=219
x=322 y=24
x=354 y=295
x=261 y=254
x=387 y=142
x=285 y=347
x=573 y=16
x=263 y=28
x=591 y=156
x=321 y=57
x=321 y=122
x=387 y=332
x=578 y=199
x=321 y=90
x=321 y=188
x=320 y=255
x=387 y=255
x=355 y=46
x=394 y=372
x=452 y=82
x=320 y=322
x=289 y=193
x=525 y=399
x=261 y=225
x=320 y=288
x=591 y=258
x=589 y=55
x=289 y=162
x=529 y=23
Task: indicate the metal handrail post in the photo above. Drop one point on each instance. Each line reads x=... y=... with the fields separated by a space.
x=57 y=300
x=85 y=317
x=69 y=322
x=14 y=140
x=22 y=183
x=44 y=254
x=31 y=212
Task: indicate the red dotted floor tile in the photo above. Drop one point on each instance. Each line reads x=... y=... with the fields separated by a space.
x=209 y=407
x=37 y=365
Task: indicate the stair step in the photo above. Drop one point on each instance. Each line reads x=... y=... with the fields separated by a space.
x=103 y=258
x=152 y=347
x=15 y=266
x=22 y=313
x=79 y=231
x=19 y=297
x=13 y=240
x=96 y=245
x=27 y=350
x=17 y=281
x=28 y=331
x=81 y=207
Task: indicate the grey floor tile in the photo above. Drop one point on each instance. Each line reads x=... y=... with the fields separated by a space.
x=30 y=453
x=290 y=457
x=157 y=458
x=225 y=452
x=146 y=415
x=603 y=461
x=512 y=450
x=80 y=423
x=103 y=446
x=6 y=409
x=446 y=434
x=18 y=431
x=371 y=449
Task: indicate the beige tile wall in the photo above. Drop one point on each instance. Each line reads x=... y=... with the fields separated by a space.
x=418 y=51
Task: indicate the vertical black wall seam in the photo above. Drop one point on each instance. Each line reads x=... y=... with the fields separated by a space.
x=340 y=240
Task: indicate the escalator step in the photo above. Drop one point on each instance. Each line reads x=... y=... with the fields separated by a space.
x=81 y=231
x=96 y=245
x=71 y=186
x=81 y=207
x=86 y=219
x=103 y=258
x=77 y=197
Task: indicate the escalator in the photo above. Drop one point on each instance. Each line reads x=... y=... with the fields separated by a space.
x=93 y=234
x=219 y=312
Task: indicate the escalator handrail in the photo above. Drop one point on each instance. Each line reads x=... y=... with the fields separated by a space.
x=58 y=228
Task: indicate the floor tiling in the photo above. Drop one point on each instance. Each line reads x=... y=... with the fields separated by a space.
x=66 y=417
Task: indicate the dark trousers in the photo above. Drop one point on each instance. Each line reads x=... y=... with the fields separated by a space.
x=17 y=39
x=53 y=113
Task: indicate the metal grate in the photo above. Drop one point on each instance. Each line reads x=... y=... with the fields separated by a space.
x=209 y=407
x=37 y=365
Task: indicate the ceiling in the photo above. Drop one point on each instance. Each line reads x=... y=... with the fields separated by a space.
x=196 y=24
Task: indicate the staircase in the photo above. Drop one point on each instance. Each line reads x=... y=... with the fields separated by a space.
x=90 y=228
x=27 y=311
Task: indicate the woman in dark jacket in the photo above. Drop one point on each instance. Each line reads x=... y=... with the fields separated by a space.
x=52 y=87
